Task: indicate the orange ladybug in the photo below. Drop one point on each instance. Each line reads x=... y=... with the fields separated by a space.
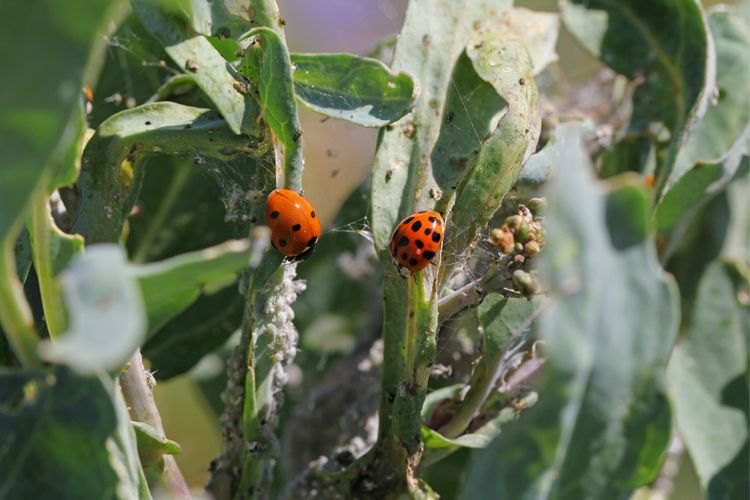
x=416 y=241
x=295 y=227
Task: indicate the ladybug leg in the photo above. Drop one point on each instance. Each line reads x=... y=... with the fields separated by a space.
x=303 y=255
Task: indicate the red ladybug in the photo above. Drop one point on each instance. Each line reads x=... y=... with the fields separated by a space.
x=416 y=241
x=295 y=227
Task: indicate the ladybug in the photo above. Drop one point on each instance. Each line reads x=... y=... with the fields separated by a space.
x=295 y=227
x=416 y=241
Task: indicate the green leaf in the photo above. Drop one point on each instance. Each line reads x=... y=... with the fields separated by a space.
x=603 y=421
x=58 y=438
x=219 y=81
x=727 y=120
x=169 y=287
x=707 y=377
x=268 y=61
x=714 y=148
x=109 y=184
x=666 y=40
x=198 y=57
x=152 y=446
x=35 y=125
x=435 y=440
x=401 y=163
x=543 y=163
x=198 y=330
x=505 y=64
x=107 y=320
x=536 y=30
x=356 y=89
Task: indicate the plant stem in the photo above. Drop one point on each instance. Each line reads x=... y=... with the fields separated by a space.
x=15 y=314
x=497 y=279
x=139 y=396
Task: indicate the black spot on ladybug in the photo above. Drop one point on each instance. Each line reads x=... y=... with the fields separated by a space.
x=403 y=256
x=312 y=214
x=428 y=255
x=394 y=252
x=412 y=262
x=435 y=237
x=296 y=227
x=403 y=241
x=432 y=219
x=428 y=231
x=416 y=226
x=274 y=214
x=419 y=243
x=282 y=243
x=408 y=219
x=312 y=241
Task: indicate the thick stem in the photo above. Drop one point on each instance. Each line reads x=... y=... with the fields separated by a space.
x=15 y=314
x=136 y=386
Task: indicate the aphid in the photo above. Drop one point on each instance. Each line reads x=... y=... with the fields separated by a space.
x=295 y=227
x=416 y=241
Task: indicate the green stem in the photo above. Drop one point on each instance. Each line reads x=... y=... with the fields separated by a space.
x=138 y=394
x=15 y=314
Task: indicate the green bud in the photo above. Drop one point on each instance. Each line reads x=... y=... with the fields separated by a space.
x=525 y=283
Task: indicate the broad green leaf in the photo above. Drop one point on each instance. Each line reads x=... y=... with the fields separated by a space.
x=727 y=118
x=356 y=89
x=58 y=438
x=402 y=161
x=152 y=446
x=707 y=377
x=505 y=64
x=667 y=40
x=603 y=421
x=179 y=32
x=714 y=148
x=35 y=121
x=108 y=182
x=169 y=287
x=268 y=62
x=106 y=313
x=198 y=330
x=543 y=163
